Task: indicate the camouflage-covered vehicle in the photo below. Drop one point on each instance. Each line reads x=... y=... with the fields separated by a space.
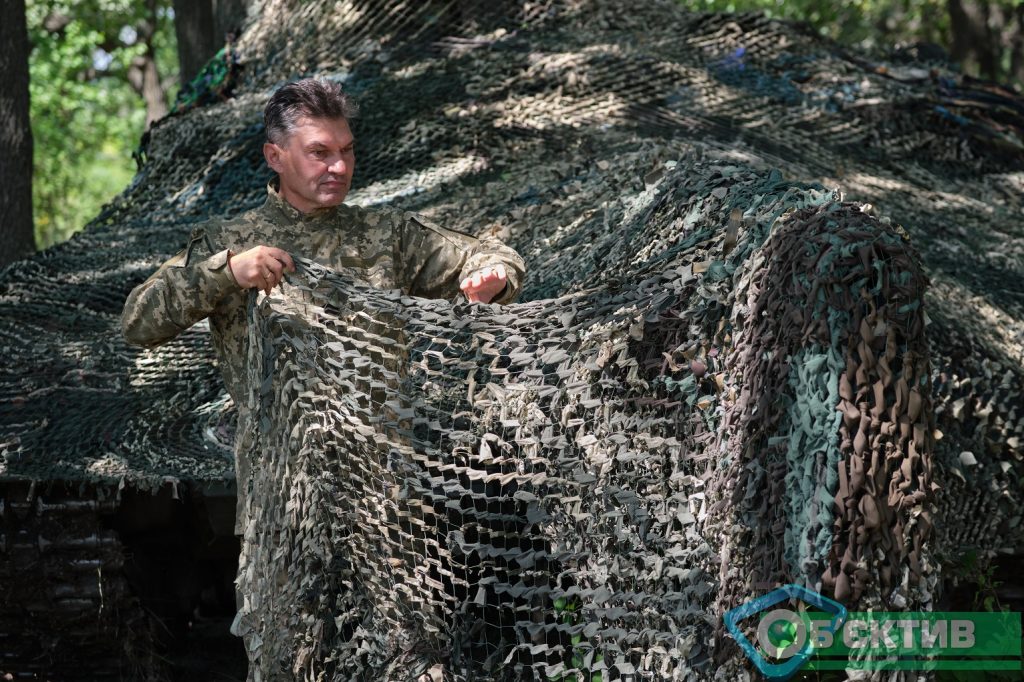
x=772 y=333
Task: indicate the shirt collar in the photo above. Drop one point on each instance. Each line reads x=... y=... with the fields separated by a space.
x=278 y=205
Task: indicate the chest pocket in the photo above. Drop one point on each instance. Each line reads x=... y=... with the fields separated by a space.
x=378 y=269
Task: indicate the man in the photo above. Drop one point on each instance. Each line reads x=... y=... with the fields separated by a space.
x=311 y=147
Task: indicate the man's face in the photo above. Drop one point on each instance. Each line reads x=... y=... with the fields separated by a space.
x=315 y=163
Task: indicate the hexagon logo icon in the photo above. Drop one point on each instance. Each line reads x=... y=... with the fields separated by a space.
x=782 y=631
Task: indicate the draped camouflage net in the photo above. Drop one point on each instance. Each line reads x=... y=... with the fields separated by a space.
x=722 y=376
x=545 y=490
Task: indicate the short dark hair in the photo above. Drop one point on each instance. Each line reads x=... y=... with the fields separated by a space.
x=310 y=97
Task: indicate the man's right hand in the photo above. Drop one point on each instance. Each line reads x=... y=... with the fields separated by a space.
x=261 y=267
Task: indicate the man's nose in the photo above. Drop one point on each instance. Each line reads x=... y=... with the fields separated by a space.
x=338 y=167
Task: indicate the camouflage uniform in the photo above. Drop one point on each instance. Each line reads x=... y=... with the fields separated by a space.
x=388 y=248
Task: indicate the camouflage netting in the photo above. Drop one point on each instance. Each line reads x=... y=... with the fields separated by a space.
x=523 y=494
x=721 y=376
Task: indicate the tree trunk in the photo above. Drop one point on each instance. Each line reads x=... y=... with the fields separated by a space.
x=1016 y=74
x=145 y=80
x=975 y=45
x=197 y=38
x=202 y=27
x=143 y=75
x=16 y=231
x=229 y=16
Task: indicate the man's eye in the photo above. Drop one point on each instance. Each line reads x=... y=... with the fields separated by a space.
x=319 y=153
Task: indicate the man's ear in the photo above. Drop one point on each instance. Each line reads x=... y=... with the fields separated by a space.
x=272 y=153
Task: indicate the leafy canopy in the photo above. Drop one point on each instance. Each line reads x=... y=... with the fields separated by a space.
x=86 y=117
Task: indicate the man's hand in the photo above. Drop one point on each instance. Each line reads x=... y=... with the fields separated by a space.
x=261 y=267
x=485 y=284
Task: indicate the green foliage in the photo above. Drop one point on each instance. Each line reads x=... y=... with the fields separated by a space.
x=973 y=568
x=86 y=117
x=568 y=611
x=991 y=41
x=868 y=23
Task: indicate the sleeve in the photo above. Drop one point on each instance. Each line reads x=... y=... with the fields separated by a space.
x=432 y=260
x=184 y=290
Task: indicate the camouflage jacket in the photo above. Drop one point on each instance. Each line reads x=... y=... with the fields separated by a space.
x=388 y=248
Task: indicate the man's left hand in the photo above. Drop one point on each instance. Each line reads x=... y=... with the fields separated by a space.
x=485 y=284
